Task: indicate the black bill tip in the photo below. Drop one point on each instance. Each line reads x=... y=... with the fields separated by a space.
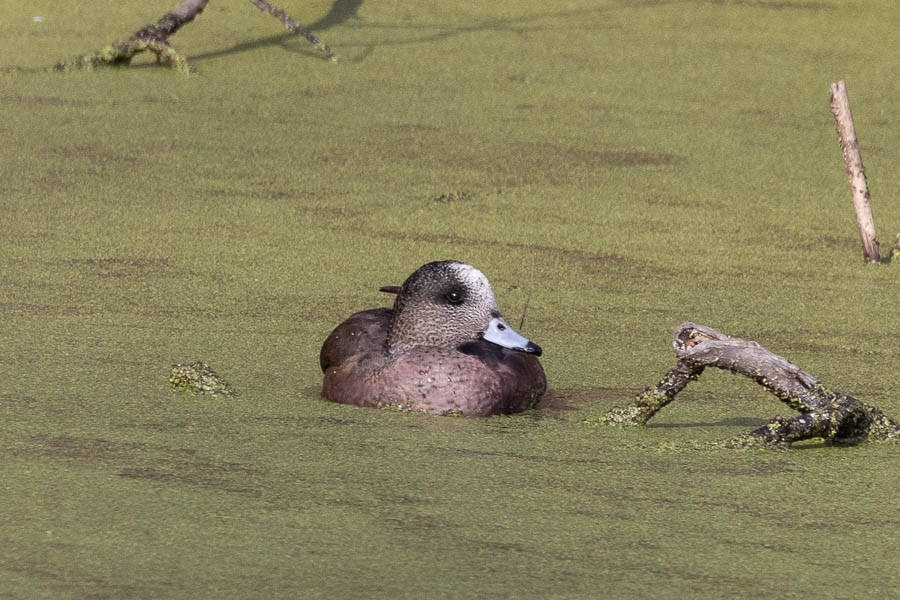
x=532 y=348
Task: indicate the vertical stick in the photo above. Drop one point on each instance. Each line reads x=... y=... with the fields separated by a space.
x=859 y=190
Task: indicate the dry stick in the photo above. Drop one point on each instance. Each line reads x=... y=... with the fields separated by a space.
x=859 y=190
x=833 y=416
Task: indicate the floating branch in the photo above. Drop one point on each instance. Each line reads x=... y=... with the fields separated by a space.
x=155 y=38
x=859 y=189
x=835 y=417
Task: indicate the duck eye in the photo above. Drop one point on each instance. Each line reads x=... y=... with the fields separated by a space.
x=454 y=297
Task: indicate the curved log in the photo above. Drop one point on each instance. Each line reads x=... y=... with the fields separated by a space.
x=834 y=417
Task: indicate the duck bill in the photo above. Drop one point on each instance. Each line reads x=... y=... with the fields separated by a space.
x=499 y=332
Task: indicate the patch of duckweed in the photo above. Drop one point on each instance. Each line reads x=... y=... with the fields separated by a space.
x=198 y=378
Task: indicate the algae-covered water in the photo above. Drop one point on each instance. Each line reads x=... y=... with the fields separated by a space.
x=619 y=167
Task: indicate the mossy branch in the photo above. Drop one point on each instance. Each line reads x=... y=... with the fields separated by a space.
x=154 y=38
x=834 y=417
x=122 y=54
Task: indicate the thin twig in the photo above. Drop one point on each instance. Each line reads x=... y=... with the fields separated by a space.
x=528 y=297
x=293 y=26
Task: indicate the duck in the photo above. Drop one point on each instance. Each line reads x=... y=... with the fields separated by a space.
x=443 y=348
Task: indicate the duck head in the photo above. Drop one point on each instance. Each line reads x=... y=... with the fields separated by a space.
x=449 y=304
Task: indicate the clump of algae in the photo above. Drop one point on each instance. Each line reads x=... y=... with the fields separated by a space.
x=198 y=378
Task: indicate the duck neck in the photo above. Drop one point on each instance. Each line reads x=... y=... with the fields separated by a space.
x=398 y=338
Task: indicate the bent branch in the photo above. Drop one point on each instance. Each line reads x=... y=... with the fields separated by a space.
x=154 y=38
x=835 y=417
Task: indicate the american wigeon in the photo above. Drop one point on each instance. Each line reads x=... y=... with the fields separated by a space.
x=444 y=348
